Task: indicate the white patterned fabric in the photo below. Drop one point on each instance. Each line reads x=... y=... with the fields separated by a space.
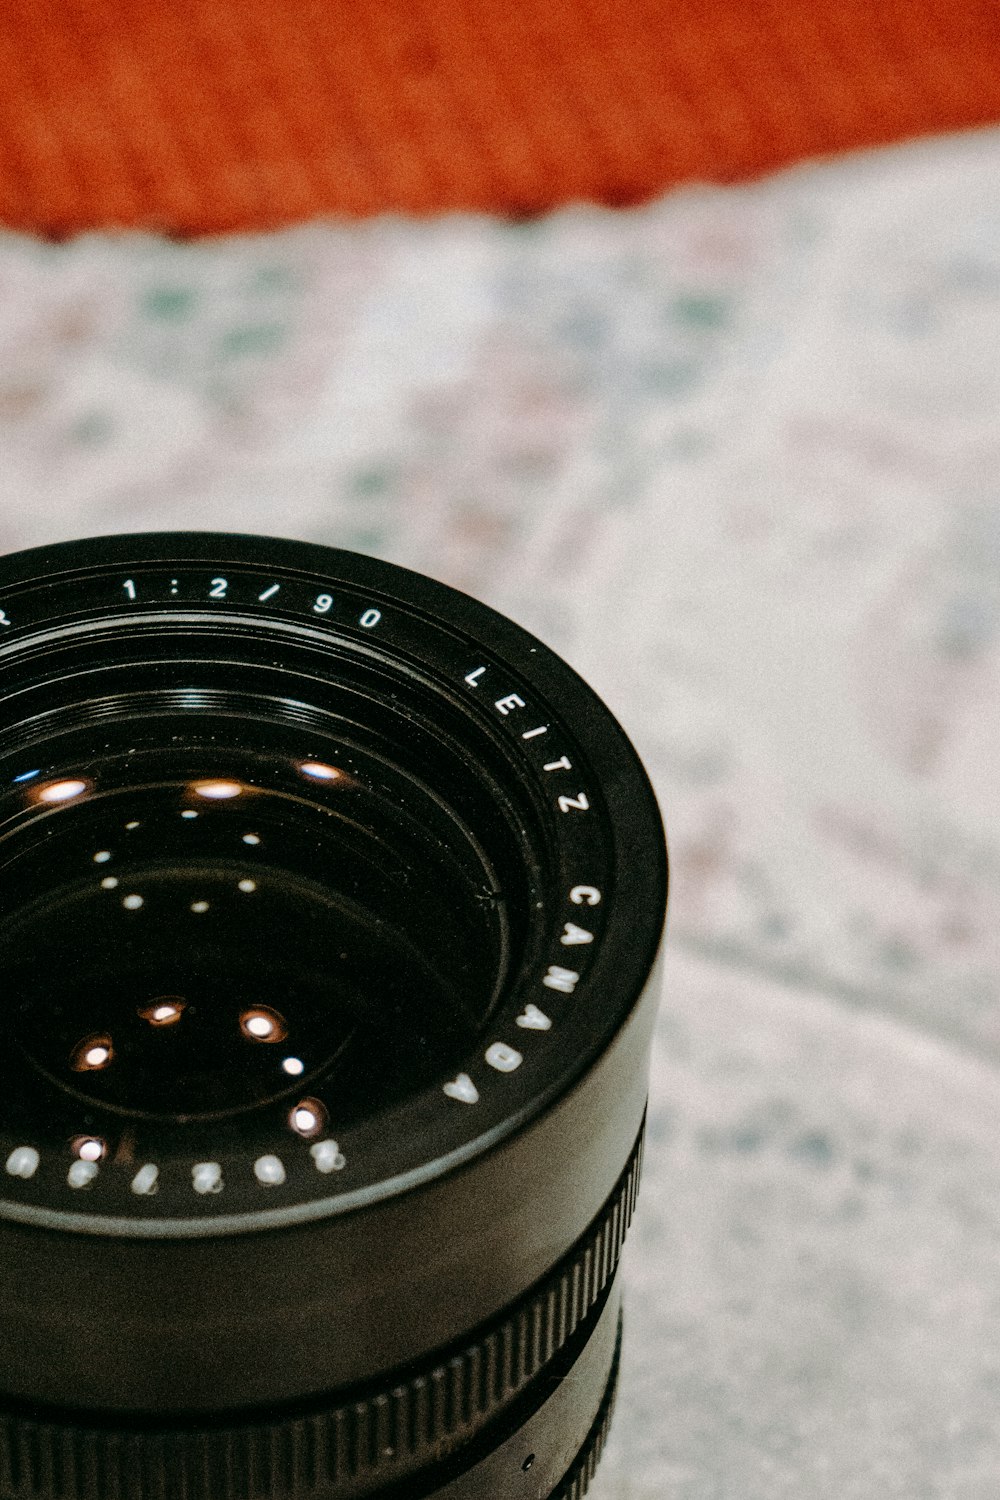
x=735 y=455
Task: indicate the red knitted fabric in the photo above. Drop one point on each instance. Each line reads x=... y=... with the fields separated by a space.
x=210 y=115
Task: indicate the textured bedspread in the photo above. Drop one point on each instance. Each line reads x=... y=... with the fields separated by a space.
x=735 y=455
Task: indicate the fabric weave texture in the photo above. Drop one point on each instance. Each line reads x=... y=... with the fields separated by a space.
x=217 y=115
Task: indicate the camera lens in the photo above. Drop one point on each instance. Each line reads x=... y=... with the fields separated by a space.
x=331 y=909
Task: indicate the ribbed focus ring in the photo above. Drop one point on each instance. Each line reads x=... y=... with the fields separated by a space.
x=345 y=1450
x=576 y=1481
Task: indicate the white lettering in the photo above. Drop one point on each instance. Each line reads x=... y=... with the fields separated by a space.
x=23 y=1161
x=512 y=700
x=472 y=678
x=585 y=895
x=370 y=618
x=218 y=589
x=206 y=1177
x=328 y=1156
x=579 y=802
x=573 y=934
x=145 y=1180
x=533 y=1019
x=269 y=1171
x=463 y=1089
x=3 y=618
x=269 y=593
x=81 y=1174
x=562 y=764
x=561 y=979
x=505 y=1059
x=529 y=734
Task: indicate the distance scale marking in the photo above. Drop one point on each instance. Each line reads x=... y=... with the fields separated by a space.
x=392 y=625
x=205 y=1176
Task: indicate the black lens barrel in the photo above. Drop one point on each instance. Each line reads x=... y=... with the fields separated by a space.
x=447 y=1422
x=386 y=881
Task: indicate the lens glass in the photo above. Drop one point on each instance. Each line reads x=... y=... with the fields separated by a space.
x=202 y=932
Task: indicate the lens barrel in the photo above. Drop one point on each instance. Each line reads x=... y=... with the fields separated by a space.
x=331 y=910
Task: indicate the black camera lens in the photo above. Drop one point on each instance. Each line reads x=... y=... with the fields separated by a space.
x=331 y=904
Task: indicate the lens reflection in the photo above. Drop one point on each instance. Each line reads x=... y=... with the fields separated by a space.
x=227 y=961
x=93 y=1052
x=166 y=1010
x=88 y=1148
x=262 y=1024
x=217 y=791
x=319 y=771
x=61 y=791
x=308 y=1118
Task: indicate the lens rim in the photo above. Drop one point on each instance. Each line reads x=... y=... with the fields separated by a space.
x=73 y=578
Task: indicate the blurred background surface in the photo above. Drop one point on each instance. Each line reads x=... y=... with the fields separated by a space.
x=726 y=438
x=216 y=115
